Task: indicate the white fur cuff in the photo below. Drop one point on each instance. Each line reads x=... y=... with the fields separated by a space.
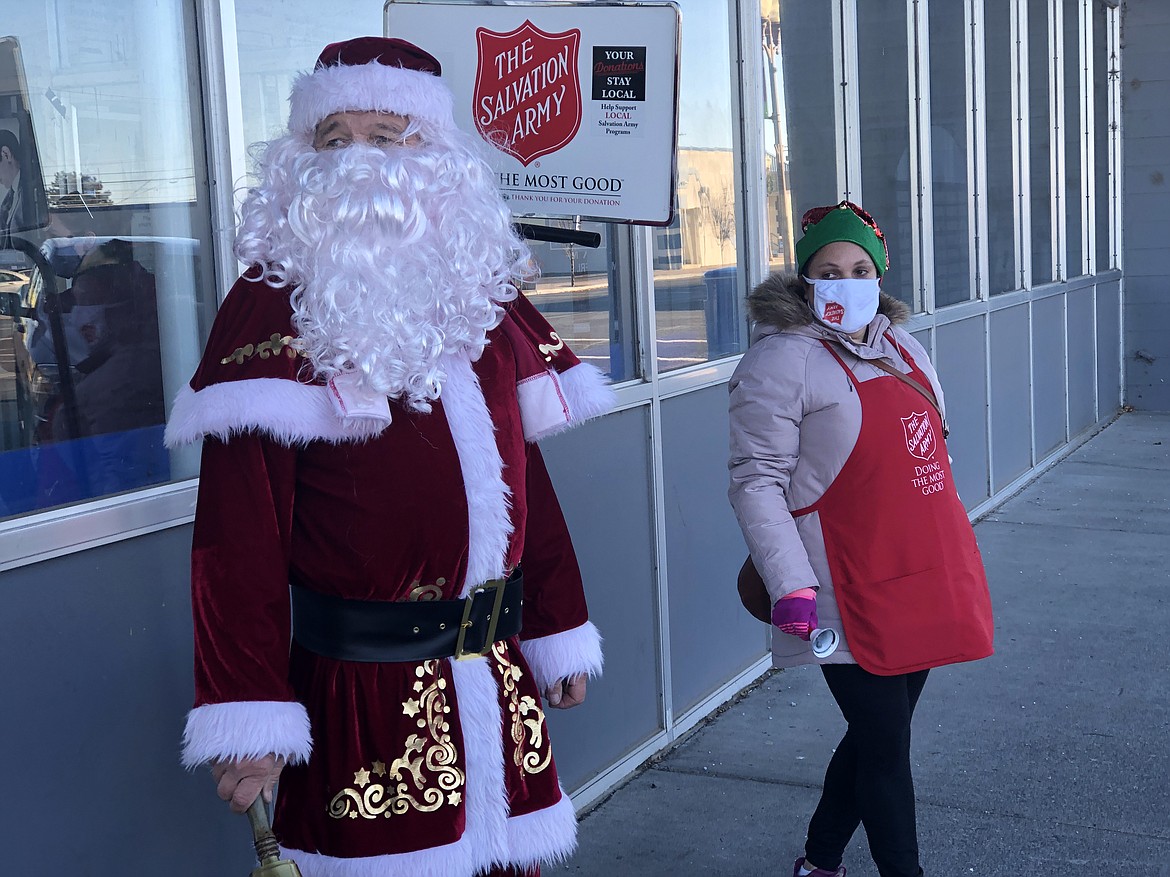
x=564 y=654
x=286 y=411
x=552 y=402
x=246 y=729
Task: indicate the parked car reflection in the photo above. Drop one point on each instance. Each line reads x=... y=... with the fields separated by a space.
x=87 y=410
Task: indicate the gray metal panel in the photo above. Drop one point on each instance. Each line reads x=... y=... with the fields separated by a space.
x=602 y=477
x=1011 y=395
x=961 y=362
x=1145 y=128
x=1147 y=328
x=1108 y=348
x=1049 y=394
x=97 y=647
x=712 y=637
x=1082 y=366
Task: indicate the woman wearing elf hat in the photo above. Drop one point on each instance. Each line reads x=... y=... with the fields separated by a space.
x=842 y=486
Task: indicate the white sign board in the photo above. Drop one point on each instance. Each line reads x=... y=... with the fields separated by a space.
x=578 y=100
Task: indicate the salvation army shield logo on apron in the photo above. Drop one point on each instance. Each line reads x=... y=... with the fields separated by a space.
x=527 y=99
x=920 y=439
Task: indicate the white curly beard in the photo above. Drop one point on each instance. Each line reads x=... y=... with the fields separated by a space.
x=397 y=257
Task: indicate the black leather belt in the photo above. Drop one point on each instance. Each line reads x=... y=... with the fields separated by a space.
x=373 y=631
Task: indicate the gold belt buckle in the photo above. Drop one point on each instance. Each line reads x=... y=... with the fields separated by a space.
x=492 y=620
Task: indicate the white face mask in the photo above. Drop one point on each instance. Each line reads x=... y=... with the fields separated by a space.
x=848 y=304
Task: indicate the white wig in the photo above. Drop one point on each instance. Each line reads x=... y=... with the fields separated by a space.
x=396 y=256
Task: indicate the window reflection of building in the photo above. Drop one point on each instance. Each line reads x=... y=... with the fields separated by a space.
x=706 y=207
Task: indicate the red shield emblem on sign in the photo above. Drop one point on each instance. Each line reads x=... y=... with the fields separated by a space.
x=920 y=440
x=527 y=99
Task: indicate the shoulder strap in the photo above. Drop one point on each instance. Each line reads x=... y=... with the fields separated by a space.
x=906 y=379
x=882 y=365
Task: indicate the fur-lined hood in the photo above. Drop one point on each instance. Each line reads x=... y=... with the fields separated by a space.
x=779 y=301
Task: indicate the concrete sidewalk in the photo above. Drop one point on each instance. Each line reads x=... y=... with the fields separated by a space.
x=1051 y=755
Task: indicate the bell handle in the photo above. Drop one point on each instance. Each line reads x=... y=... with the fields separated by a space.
x=262 y=837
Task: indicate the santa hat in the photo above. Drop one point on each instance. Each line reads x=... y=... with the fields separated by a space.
x=371 y=74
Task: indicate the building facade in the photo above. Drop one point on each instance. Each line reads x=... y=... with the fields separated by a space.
x=988 y=138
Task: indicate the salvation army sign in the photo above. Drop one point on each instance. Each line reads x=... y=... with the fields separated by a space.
x=527 y=93
x=578 y=101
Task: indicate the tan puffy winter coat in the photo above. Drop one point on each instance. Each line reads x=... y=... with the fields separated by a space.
x=795 y=419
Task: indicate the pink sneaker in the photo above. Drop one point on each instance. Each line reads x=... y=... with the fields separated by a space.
x=819 y=872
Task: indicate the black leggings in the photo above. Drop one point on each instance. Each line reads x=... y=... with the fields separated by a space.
x=868 y=781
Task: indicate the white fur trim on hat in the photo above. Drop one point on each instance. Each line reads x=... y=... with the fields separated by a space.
x=373 y=87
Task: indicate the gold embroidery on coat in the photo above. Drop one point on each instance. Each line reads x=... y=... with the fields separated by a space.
x=531 y=752
x=549 y=349
x=274 y=346
x=424 y=593
x=432 y=749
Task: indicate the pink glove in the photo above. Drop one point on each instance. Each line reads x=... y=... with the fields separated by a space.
x=240 y=782
x=796 y=613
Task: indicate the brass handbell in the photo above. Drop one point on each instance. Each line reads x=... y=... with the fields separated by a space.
x=267 y=849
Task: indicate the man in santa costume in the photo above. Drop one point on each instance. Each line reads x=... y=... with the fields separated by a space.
x=368 y=404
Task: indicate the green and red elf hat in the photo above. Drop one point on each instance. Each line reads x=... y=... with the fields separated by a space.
x=841 y=222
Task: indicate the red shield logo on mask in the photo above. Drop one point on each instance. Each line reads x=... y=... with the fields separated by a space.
x=527 y=99
x=920 y=440
x=834 y=312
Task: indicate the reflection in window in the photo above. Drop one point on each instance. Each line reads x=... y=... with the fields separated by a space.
x=1040 y=142
x=697 y=299
x=1001 y=131
x=103 y=311
x=885 y=136
x=1074 y=261
x=1104 y=74
x=578 y=293
x=799 y=82
x=948 y=152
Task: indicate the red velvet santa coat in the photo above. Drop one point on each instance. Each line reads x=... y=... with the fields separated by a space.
x=431 y=768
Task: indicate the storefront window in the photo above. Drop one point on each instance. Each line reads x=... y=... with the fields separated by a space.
x=697 y=296
x=949 y=33
x=581 y=290
x=1000 y=201
x=1040 y=142
x=106 y=291
x=800 y=131
x=1104 y=133
x=885 y=136
x=1074 y=204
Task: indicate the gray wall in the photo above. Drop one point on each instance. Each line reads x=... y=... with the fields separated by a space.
x=1145 y=38
x=97 y=651
x=712 y=638
x=602 y=475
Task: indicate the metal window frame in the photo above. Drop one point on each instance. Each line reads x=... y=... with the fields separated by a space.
x=1056 y=129
x=847 y=102
x=921 y=171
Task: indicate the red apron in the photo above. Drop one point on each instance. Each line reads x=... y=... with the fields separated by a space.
x=906 y=570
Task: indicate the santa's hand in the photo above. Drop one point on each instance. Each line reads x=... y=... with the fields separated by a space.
x=240 y=782
x=567 y=692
